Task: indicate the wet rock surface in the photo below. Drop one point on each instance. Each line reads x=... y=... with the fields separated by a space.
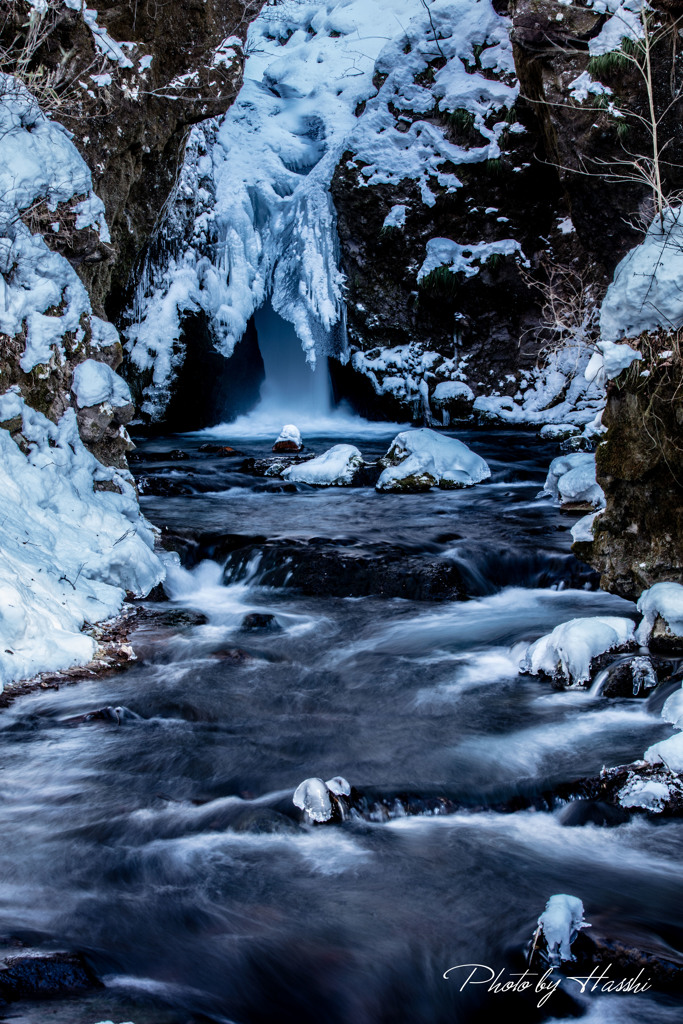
x=33 y=974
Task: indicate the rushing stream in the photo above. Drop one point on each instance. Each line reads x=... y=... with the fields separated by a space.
x=168 y=848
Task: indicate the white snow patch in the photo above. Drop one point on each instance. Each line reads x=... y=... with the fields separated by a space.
x=396 y=218
x=584 y=85
x=625 y=23
x=645 y=793
x=646 y=293
x=664 y=600
x=583 y=529
x=465 y=259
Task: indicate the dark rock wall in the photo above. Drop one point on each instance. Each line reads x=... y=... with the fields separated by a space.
x=639 y=538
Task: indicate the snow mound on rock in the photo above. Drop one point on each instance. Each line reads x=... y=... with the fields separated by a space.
x=69 y=552
x=420 y=459
x=335 y=467
x=663 y=600
x=571 y=478
x=567 y=653
x=95 y=383
x=560 y=923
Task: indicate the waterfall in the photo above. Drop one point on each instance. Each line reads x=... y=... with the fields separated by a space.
x=294 y=391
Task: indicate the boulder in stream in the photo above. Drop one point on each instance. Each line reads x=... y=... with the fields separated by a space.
x=420 y=459
x=289 y=439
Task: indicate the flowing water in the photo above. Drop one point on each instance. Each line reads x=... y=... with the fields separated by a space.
x=168 y=848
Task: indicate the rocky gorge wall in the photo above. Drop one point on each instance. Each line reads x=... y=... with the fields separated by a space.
x=127 y=81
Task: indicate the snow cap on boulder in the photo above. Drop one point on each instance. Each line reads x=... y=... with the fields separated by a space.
x=420 y=459
x=335 y=467
x=566 y=655
x=289 y=439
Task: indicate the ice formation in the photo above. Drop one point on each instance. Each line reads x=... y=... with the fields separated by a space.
x=571 y=478
x=313 y=797
x=582 y=531
x=256 y=183
x=420 y=459
x=648 y=794
x=568 y=652
x=335 y=467
x=289 y=439
x=560 y=923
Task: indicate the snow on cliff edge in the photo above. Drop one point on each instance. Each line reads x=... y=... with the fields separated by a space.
x=72 y=539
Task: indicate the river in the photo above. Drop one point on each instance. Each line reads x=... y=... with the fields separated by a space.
x=168 y=848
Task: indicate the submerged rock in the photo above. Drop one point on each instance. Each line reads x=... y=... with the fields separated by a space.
x=259 y=621
x=37 y=975
x=420 y=459
x=289 y=439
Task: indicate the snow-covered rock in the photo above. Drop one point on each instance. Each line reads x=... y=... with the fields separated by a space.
x=420 y=459
x=582 y=531
x=559 y=924
x=69 y=552
x=557 y=392
x=571 y=479
x=567 y=654
x=662 y=601
x=94 y=383
x=313 y=797
x=335 y=467
x=289 y=439
x=646 y=293
x=647 y=794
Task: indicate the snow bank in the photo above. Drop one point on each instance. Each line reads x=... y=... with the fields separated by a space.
x=571 y=478
x=94 y=383
x=420 y=459
x=69 y=552
x=567 y=653
x=663 y=600
x=39 y=165
x=646 y=293
x=560 y=923
x=610 y=359
x=335 y=467
x=625 y=23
